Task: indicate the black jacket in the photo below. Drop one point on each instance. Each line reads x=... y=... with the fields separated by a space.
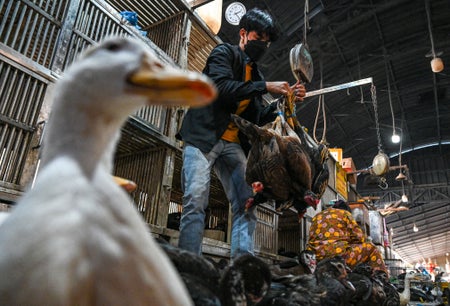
x=203 y=127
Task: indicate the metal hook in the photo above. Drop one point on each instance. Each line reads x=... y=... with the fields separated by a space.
x=383 y=184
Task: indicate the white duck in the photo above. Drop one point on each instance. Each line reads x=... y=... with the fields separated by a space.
x=76 y=238
x=405 y=295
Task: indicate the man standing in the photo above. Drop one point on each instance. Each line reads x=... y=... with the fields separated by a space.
x=212 y=141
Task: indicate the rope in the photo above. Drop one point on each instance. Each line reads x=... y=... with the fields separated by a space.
x=306 y=21
x=290 y=111
x=389 y=92
x=321 y=106
x=427 y=9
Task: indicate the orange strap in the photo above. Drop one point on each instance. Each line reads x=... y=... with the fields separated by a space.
x=231 y=133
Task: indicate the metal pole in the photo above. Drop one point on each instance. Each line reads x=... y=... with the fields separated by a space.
x=338 y=87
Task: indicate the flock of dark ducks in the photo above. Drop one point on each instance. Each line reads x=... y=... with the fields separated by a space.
x=249 y=280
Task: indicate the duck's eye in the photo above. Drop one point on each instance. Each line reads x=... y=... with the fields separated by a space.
x=113 y=47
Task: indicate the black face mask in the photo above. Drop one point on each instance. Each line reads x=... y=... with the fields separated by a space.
x=255 y=49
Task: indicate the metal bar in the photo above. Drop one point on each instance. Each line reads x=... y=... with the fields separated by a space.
x=24 y=100
x=338 y=87
x=29 y=42
x=46 y=59
x=38 y=99
x=15 y=59
x=18 y=42
x=5 y=17
x=93 y=25
x=391 y=168
x=9 y=30
x=12 y=122
x=64 y=36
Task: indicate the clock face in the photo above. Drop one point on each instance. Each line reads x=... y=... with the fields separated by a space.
x=234 y=12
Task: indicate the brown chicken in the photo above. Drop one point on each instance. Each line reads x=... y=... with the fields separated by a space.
x=278 y=166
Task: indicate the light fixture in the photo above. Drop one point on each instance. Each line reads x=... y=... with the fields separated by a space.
x=400 y=176
x=211 y=13
x=437 y=65
x=404 y=198
x=395 y=138
x=415 y=228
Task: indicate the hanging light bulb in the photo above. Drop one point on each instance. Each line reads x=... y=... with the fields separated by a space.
x=404 y=198
x=437 y=65
x=415 y=228
x=395 y=137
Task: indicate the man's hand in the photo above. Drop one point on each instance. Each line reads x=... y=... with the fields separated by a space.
x=284 y=88
x=281 y=88
x=299 y=91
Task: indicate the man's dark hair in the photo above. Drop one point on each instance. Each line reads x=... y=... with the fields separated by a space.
x=259 y=21
x=340 y=204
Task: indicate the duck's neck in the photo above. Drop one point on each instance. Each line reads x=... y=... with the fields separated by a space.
x=406 y=291
x=89 y=139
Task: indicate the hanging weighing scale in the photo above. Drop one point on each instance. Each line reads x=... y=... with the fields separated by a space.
x=301 y=63
x=303 y=70
x=380 y=163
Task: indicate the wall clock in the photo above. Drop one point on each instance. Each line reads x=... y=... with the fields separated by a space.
x=234 y=12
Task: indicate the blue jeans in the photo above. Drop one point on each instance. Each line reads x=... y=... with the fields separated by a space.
x=229 y=162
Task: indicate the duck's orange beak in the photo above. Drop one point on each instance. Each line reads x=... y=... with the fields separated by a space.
x=164 y=84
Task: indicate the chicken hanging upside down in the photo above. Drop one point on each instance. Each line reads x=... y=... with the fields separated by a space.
x=279 y=166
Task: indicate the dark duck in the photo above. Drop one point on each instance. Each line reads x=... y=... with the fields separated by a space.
x=278 y=166
x=300 y=290
x=371 y=288
x=332 y=274
x=199 y=274
x=303 y=263
x=243 y=282
x=328 y=285
x=390 y=291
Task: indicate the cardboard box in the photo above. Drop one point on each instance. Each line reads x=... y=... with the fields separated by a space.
x=349 y=166
x=336 y=153
x=341 y=181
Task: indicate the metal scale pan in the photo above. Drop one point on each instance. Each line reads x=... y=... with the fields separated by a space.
x=301 y=63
